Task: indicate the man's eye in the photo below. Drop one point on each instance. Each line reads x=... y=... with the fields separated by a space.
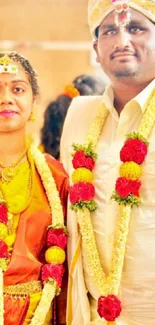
x=135 y=30
x=110 y=32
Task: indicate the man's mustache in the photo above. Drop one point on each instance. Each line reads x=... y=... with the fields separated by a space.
x=122 y=52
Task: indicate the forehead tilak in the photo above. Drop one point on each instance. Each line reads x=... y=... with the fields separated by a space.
x=7 y=65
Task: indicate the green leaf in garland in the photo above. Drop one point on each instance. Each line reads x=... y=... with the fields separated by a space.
x=136 y=135
x=90 y=205
x=129 y=200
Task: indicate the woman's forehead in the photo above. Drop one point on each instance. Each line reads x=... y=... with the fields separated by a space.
x=20 y=74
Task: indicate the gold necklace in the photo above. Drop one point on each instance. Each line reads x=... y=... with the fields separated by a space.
x=10 y=171
x=14 y=211
x=4 y=190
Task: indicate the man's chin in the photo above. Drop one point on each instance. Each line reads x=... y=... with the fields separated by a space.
x=124 y=73
x=124 y=70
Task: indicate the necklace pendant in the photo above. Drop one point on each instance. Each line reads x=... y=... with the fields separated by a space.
x=8 y=174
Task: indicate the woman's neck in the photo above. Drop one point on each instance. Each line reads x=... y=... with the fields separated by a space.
x=11 y=146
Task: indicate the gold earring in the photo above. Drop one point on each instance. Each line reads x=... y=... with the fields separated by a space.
x=32 y=117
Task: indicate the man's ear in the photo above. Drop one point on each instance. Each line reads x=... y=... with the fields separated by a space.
x=95 y=46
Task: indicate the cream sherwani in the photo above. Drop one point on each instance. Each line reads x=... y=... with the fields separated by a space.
x=137 y=290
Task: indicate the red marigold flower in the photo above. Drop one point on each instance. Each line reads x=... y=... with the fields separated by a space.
x=81 y=160
x=78 y=159
x=133 y=150
x=90 y=163
x=3 y=213
x=134 y=187
x=3 y=250
x=81 y=192
x=109 y=307
x=54 y=271
x=126 y=187
x=123 y=187
x=56 y=237
x=74 y=193
x=87 y=192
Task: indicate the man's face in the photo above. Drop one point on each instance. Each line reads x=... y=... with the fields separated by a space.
x=129 y=52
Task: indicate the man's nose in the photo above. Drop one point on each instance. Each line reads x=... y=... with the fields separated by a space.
x=123 y=39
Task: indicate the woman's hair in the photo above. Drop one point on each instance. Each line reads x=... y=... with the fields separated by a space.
x=56 y=112
x=14 y=56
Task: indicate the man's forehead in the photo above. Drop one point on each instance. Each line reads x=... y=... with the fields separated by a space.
x=100 y=9
x=136 y=17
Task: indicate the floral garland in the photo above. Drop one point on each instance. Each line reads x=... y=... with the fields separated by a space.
x=127 y=195
x=53 y=271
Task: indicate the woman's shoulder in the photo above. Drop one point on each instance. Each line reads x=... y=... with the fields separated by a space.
x=56 y=167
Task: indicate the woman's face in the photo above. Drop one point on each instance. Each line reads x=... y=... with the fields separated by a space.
x=16 y=100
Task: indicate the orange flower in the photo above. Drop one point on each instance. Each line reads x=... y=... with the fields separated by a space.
x=71 y=91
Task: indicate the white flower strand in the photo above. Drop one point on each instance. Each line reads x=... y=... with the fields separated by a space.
x=50 y=289
x=48 y=294
x=50 y=187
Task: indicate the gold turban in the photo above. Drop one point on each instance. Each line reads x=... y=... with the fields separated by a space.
x=99 y=9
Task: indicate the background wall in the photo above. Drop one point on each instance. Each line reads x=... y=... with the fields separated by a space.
x=37 y=29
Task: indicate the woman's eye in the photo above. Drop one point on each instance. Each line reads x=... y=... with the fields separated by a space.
x=18 y=90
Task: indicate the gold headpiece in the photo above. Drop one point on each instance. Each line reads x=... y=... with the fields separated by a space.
x=7 y=66
x=99 y=9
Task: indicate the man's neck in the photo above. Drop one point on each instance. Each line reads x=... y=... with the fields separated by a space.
x=123 y=93
x=11 y=146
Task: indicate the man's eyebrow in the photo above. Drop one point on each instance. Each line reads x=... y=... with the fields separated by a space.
x=108 y=26
x=136 y=22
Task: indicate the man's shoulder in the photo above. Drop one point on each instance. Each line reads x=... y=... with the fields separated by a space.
x=83 y=105
x=82 y=101
x=86 y=99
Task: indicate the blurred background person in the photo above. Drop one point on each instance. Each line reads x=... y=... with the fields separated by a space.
x=83 y=85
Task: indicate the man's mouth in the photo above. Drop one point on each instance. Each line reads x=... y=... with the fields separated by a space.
x=122 y=55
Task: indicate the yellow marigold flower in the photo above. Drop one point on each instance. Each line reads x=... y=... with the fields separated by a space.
x=3 y=264
x=55 y=255
x=82 y=175
x=130 y=170
x=3 y=231
x=10 y=239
